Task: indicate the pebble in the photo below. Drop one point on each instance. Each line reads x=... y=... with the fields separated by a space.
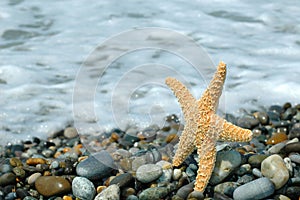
x=184 y=191
x=70 y=132
x=293 y=192
x=289 y=165
x=35 y=161
x=245 y=179
x=15 y=162
x=52 y=185
x=138 y=161
x=4 y=168
x=226 y=188
x=96 y=166
x=257 y=189
x=294 y=132
x=148 y=173
x=256 y=172
x=277 y=138
x=32 y=178
x=248 y=122
x=295 y=157
x=122 y=180
x=274 y=168
x=226 y=162
x=21 y=193
x=132 y=197
x=7 y=179
x=83 y=188
x=176 y=174
x=167 y=171
x=255 y=160
x=196 y=195
x=110 y=193
x=276 y=148
x=156 y=193
x=292 y=147
x=19 y=172
x=245 y=168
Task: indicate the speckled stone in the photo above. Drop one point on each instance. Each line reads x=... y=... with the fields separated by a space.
x=96 y=166
x=70 y=132
x=110 y=193
x=274 y=168
x=52 y=185
x=167 y=171
x=257 y=189
x=226 y=162
x=226 y=188
x=149 y=172
x=156 y=193
x=83 y=188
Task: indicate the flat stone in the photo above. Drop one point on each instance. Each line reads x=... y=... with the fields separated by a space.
x=185 y=190
x=122 y=180
x=292 y=147
x=83 y=188
x=7 y=179
x=52 y=185
x=148 y=173
x=274 y=168
x=32 y=178
x=226 y=163
x=156 y=193
x=255 y=160
x=112 y=192
x=257 y=189
x=96 y=166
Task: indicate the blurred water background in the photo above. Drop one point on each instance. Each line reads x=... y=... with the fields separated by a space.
x=43 y=44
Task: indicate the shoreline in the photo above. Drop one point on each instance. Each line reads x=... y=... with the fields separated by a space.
x=136 y=164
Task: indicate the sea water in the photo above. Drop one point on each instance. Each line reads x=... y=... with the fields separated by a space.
x=43 y=46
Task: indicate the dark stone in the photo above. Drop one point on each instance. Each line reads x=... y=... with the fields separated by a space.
x=21 y=193
x=294 y=133
x=122 y=180
x=293 y=192
x=292 y=147
x=255 y=160
x=7 y=179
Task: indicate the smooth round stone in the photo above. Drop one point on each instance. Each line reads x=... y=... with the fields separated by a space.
x=70 y=132
x=292 y=147
x=226 y=162
x=226 y=188
x=256 y=172
x=122 y=180
x=185 y=190
x=195 y=195
x=255 y=160
x=176 y=174
x=4 y=168
x=248 y=122
x=132 y=197
x=32 y=178
x=29 y=198
x=7 y=179
x=245 y=179
x=262 y=117
x=276 y=148
x=112 y=192
x=295 y=158
x=149 y=172
x=52 y=185
x=281 y=197
x=277 y=138
x=83 y=188
x=19 y=172
x=156 y=193
x=294 y=132
x=274 y=168
x=245 y=168
x=257 y=189
x=96 y=166
x=138 y=161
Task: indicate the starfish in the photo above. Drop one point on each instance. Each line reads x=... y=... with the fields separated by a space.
x=203 y=126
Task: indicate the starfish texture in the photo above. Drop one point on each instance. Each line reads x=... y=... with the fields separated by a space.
x=203 y=127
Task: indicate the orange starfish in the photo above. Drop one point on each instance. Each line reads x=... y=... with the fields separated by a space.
x=203 y=127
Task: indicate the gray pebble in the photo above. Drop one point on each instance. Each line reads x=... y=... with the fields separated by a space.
x=148 y=172
x=7 y=179
x=32 y=178
x=138 y=161
x=256 y=172
x=276 y=148
x=245 y=168
x=257 y=189
x=295 y=157
x=156 y=193
x=132 y=197
x=167 y=171
x=54 y=165
x=226 y=162
x=176 y=174
x=289 y=165
x=5 y=168
x=184 y=191
x=110 y=193
x=96 y=166
x=122 y=180
x=226 y=188
x=83 y=188
x=274 y=168
x=70 y=132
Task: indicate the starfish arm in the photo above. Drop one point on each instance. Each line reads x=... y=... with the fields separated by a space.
x=205 y=167
x=186 y=145
x=233 y=133
x=211 y=96
x=185 y=98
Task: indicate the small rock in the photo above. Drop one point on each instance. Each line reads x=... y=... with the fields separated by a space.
x=167 y=171
x=226 y=162
x=289 y=165
x=96 y=166
x=70 y=132
x=149 y=172
x=277 y=138
x=19 y=172
x=195 y=195
x=274 y=168
x=245 y=168
x=184 y=191
x=35 y=161
x=21 y=193
x=293 y=192
x=7 y=179
x=295 y=157
x=276 y=148
x=292 y=147
x=248 y=122
x=32 y=178
x=15 y=162
x=138 y=161
x=83 y=188
x=176 y=174
x=262 y=117
x=132 y=197
x=257 y=189
x=256 y=172
x=156 y=193
x=226 y=188
x=52 y=185
x=255 y=160
x=110 y=193
x=122 y=180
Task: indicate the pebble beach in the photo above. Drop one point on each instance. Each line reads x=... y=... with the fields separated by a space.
x=136 y=164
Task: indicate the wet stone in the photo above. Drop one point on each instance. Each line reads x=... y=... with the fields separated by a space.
x=112 y=192
x=292 y=147
x=122 y=180
x=276 y=148
x=226 y=163
x=226 y=188
x=294 y=133
x=293 y=192
x=19 y=172
x=295 y=157
x=96 y=166
x=149 y=172
x=257 y=189
x=83 y=188
x=32 y=178
x=15 y=162
x=274 y=168
x=255 y=160
x=156 y=193
x=248 y=122
x=21 y=193
x=52 y=185
x=7 y=179
x=184 y=191
x=70 y=132
x=262 y=117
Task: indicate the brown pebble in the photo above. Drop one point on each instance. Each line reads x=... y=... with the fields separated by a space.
x=47 y=173
x=35 y=161
x=66 y=149
x=80 y=159
x=78 y=148
x=173 y=137
x=52 y=185
x=100 y=188
x=15 y=162
x=67 y=198
x=114 y=137
x=277 y=138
